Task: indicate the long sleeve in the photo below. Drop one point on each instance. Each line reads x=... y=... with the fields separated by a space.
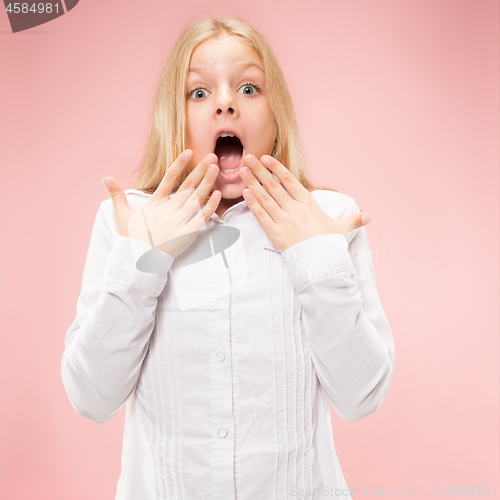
x=108 y=341
x=346 y=328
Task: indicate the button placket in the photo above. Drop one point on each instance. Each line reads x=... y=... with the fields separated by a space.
x=222 y=419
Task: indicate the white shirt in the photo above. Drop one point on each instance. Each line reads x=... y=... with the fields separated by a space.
x=227 y=372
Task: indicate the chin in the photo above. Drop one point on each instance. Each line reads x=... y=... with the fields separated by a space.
x=229 y=192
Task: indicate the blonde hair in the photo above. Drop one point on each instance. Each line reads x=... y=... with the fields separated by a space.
x=167 y=139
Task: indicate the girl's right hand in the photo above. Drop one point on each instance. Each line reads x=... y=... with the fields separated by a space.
x=166 y=221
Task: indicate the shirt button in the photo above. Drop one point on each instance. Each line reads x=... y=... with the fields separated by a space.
x=222 y=432
x=219 y=292
x=218 y=227
x=220 y=356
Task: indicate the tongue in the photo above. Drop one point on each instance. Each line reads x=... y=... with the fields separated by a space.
x=229 y=156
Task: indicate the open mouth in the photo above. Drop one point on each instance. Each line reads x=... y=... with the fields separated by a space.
x=229 y=151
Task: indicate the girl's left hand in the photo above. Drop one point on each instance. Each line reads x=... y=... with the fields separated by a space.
x=286 y=218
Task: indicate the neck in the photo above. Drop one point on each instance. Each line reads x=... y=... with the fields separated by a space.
x=225 y=204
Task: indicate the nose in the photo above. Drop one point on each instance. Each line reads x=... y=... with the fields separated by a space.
x=225 y=102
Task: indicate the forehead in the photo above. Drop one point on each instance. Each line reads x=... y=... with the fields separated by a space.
x=227 y=52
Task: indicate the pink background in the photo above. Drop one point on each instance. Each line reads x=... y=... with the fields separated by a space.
x=398 y=106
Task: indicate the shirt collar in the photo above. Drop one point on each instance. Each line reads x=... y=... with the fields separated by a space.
x=239 y=214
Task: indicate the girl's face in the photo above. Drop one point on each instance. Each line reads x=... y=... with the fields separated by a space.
x=226 y=92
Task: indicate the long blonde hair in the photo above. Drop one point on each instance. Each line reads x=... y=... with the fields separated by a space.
x=167 y=139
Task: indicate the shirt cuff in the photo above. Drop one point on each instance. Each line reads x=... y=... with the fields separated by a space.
x=316 y=258
x=137 y=264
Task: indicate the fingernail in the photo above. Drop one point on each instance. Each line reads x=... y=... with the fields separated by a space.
x=107 y=183
x=212 y=169
x=250 y=161
x=365 y=219
x=187 y=155
x=244 y=172
x=211 y=158
x=266 y=161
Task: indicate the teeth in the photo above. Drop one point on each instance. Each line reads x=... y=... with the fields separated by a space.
x=229 y=169
x=226 y=134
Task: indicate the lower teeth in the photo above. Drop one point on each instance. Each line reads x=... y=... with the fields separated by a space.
x=229 y=169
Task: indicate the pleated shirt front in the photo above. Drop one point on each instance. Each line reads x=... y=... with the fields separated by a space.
x=227 y=365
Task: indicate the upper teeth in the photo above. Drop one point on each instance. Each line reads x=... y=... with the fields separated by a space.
x=226 y=134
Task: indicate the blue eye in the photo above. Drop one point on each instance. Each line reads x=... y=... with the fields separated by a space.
x=196 y=91
x=251 y=86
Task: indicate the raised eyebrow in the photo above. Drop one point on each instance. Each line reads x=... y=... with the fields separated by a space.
x=203 y=69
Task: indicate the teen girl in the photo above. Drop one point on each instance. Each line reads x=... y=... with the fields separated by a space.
x=227 y=360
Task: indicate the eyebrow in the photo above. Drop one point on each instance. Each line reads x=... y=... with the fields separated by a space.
x=249 y=64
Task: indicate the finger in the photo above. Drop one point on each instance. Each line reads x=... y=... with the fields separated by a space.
x=200 y=194
x=203 y=190
x=194 y=178
x=264 y=198
x=268 y=180
x=171 y=176
x=206 y=212
x=260 y=213
x=287 y=179
x=116 y=192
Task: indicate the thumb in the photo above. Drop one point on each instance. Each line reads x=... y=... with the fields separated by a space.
x=115 y=191
x=121 y=207
x=360 y=219
x=354 y=221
